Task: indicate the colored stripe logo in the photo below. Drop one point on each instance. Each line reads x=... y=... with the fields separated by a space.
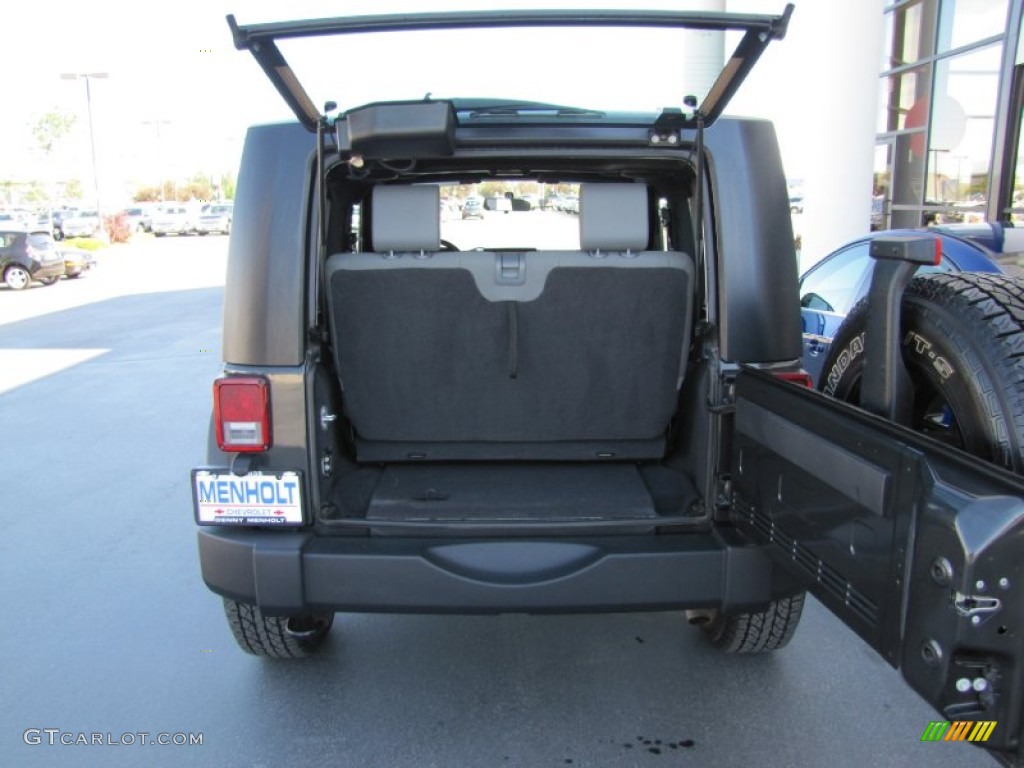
x=959 y=730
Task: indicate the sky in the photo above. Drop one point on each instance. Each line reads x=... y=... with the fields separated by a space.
x=178 y=96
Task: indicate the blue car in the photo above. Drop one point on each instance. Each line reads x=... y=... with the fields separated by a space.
x=831 y=287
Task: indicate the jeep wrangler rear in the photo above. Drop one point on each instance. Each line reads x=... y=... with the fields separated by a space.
x=538 y=410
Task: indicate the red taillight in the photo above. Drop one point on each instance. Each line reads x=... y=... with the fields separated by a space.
x=241 y=411
x=803 y=378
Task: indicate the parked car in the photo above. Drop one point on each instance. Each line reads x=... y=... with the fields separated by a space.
x=13 y=219
x=498 y=204
x=139 y=219
x=57 y=218
x=172 y=220
x=27 y=256
x=473 y=208
x=77 y=261
x=215 y=218
x=830 y=289
x=80 y=224
x=621 y=425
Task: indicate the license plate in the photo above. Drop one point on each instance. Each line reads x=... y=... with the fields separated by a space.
x=256 y=498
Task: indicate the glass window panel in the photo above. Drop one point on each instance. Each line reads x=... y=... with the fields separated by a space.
x=960 y=141
x=1017 y=203
x=967 y=21
x=908 y=34
x=906 y=96
x=882 y=183
x=835 y=284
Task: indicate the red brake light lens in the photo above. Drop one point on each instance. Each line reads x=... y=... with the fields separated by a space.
x=241 y=411
x=803 y=378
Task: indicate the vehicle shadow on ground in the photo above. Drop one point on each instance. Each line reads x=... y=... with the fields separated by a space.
x=174 y=324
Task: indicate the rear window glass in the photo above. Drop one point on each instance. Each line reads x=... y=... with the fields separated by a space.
x=511 y=216
x=40 y=242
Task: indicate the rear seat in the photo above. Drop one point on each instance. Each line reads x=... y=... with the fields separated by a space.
x=537 y=355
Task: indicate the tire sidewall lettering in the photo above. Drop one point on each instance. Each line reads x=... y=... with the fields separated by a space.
x=846 y=358
x=917 y=344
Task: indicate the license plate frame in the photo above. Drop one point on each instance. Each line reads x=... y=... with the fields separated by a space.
x=222 y=498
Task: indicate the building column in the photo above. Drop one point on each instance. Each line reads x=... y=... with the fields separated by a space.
x=839 y=86
x=703 y=51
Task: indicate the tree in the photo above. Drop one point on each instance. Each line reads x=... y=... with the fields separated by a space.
x=227 y=186
x=35 y=193
x=73 y=189
x=50 y=128
x=147 y=195
x=198 y=188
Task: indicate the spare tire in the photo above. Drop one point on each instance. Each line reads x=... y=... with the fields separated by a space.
x=962 y=339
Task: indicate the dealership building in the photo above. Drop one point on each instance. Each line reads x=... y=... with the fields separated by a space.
x=949 y=142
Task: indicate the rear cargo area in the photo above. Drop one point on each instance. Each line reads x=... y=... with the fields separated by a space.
x=512 y=391
x=514 y=496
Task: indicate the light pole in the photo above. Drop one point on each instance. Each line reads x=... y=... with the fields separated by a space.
x=87 y=76
x=159 y=156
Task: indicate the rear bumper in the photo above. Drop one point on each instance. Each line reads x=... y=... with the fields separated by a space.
x=79 y=230
x=286 y=573
x=46 y=270
x=213 y=226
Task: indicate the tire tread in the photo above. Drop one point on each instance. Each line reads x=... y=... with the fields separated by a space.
x=267 y=635
x=760 y=631
x=983 y=315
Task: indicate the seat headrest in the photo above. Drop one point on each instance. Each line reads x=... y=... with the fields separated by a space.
x=406 y=218
x=613 y=217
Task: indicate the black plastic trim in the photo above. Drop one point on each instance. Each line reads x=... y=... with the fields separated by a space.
x=289 y=573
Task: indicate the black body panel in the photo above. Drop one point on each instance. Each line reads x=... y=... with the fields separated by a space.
x=914 y=545
x=758 y=291
x=266 y=277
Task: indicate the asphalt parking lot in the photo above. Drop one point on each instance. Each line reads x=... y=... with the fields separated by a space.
x=104 y=406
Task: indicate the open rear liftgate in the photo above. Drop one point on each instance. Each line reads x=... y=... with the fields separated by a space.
x=914 y=545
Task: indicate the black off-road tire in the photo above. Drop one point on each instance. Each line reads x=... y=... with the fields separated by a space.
x=276 y=637
x=759 y=632
x=962 y=337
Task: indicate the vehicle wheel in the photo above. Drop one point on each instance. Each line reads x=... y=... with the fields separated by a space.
x=49 y=280
x=17 y=277
x=962 y=343
x=276 y=637
x=158 y=234
x=758 y=632
x=74 y=275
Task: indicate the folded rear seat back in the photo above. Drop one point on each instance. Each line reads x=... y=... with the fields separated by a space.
x=539 y=355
